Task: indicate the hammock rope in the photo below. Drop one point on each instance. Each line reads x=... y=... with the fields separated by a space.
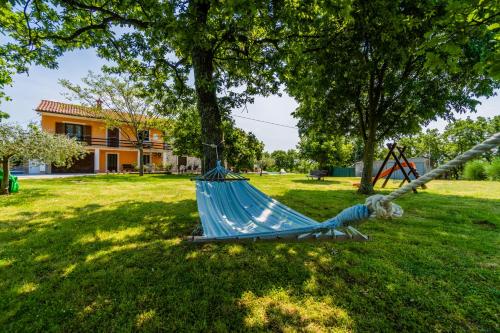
x=381 y=205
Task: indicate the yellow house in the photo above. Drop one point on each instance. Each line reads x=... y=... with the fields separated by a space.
x=109 y=149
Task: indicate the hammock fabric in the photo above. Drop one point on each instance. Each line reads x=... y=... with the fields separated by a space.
x=232 y=209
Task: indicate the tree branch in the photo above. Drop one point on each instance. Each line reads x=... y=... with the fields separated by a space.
x=115 y=16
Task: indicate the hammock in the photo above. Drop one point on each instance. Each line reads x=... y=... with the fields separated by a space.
x=232 y=209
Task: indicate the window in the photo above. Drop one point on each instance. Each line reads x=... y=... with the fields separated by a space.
x=143 y=135
x=74 y=131
x=146 y=159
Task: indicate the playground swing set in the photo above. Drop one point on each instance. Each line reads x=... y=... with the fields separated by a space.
x=400 y=163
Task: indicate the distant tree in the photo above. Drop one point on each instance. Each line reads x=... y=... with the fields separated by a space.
x=305 y=165
x=388 y=67
x=461 y=135
x=282 y=160
x=457 y=137
x=4 y=115
x=34 y=144
x=429 y=144
x=243 y=150
x=220 y=42
x=185 y=136
x=122 y=103
x=326 y=149
x=266 y=162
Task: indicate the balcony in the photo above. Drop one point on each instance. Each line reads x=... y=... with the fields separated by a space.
x=115 y=143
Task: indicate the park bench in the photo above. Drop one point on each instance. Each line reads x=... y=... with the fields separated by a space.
x=318 y=174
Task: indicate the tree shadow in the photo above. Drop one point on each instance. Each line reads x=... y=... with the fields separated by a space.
x=316 y=182
x=125 y=267
x=107 y=268
x=25 y=195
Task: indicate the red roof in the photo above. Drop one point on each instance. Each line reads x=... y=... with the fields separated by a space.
x=66 y=109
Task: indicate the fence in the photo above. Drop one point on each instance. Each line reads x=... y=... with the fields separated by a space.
x=342 y=172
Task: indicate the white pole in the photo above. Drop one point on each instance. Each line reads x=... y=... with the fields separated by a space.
x=96 y=160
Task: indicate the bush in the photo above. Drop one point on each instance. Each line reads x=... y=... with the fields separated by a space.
x=475 y=170
x=493 y=170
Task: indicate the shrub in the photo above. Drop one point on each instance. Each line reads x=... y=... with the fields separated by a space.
x=475 y=170
x=493 y=170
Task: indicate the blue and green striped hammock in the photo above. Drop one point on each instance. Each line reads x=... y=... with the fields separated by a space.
x=231 y=209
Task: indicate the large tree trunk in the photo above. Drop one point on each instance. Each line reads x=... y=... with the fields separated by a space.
x=5 y=178
x=205 y=86
x=366 y=186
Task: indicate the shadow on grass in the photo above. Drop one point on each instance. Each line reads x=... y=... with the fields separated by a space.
x=316 y=182
x=113 y=268
x=124 y=267
x=24 y=195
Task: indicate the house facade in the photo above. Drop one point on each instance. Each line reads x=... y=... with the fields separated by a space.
x=109 y=149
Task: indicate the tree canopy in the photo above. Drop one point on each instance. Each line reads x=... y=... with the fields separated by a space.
x=371 y=69
x=161 y=41
x=388 y=67
x=243 y=150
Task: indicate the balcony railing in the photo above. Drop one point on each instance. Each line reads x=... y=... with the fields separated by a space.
x=115 y=143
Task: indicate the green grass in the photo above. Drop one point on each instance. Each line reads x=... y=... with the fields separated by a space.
x=105 y=253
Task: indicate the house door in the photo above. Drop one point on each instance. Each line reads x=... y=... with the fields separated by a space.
x=113 y=137
x=112 y=162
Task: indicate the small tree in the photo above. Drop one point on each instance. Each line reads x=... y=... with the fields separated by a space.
x=266 y=162
x=32 y=143
x=327 y=150
x=121 y=103
x=243 y=149
x=3 y=115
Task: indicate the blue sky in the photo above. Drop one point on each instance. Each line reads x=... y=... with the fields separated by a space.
x=42 y=83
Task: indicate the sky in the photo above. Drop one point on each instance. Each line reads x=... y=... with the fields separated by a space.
x=28 y=90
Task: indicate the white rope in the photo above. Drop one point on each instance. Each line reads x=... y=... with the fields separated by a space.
x=381 y=206
x=381 y=209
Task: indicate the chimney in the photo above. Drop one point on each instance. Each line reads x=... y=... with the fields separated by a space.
x=98 y=103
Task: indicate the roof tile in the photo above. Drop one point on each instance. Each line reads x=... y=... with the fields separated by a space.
x=66 y=109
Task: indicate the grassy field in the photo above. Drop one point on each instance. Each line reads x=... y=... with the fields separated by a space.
x=105 y=253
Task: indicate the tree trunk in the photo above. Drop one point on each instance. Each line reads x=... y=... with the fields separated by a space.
x=366 y=186
x=205 y=86
x=141 y=160
x=5 y=178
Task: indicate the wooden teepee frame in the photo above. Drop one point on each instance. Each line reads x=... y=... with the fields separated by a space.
x=393 y=148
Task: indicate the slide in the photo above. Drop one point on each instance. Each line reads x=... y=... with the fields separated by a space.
x=387 y=171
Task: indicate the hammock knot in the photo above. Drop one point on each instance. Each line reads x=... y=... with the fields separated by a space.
x=382 y=208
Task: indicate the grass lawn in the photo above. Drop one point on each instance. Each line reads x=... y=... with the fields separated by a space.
x=105 y=253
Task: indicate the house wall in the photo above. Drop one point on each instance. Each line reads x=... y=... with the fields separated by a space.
x=49 y=124
x=98 y=127
x=125 y=155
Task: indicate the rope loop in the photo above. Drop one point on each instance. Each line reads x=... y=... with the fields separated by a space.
x=381 y=208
